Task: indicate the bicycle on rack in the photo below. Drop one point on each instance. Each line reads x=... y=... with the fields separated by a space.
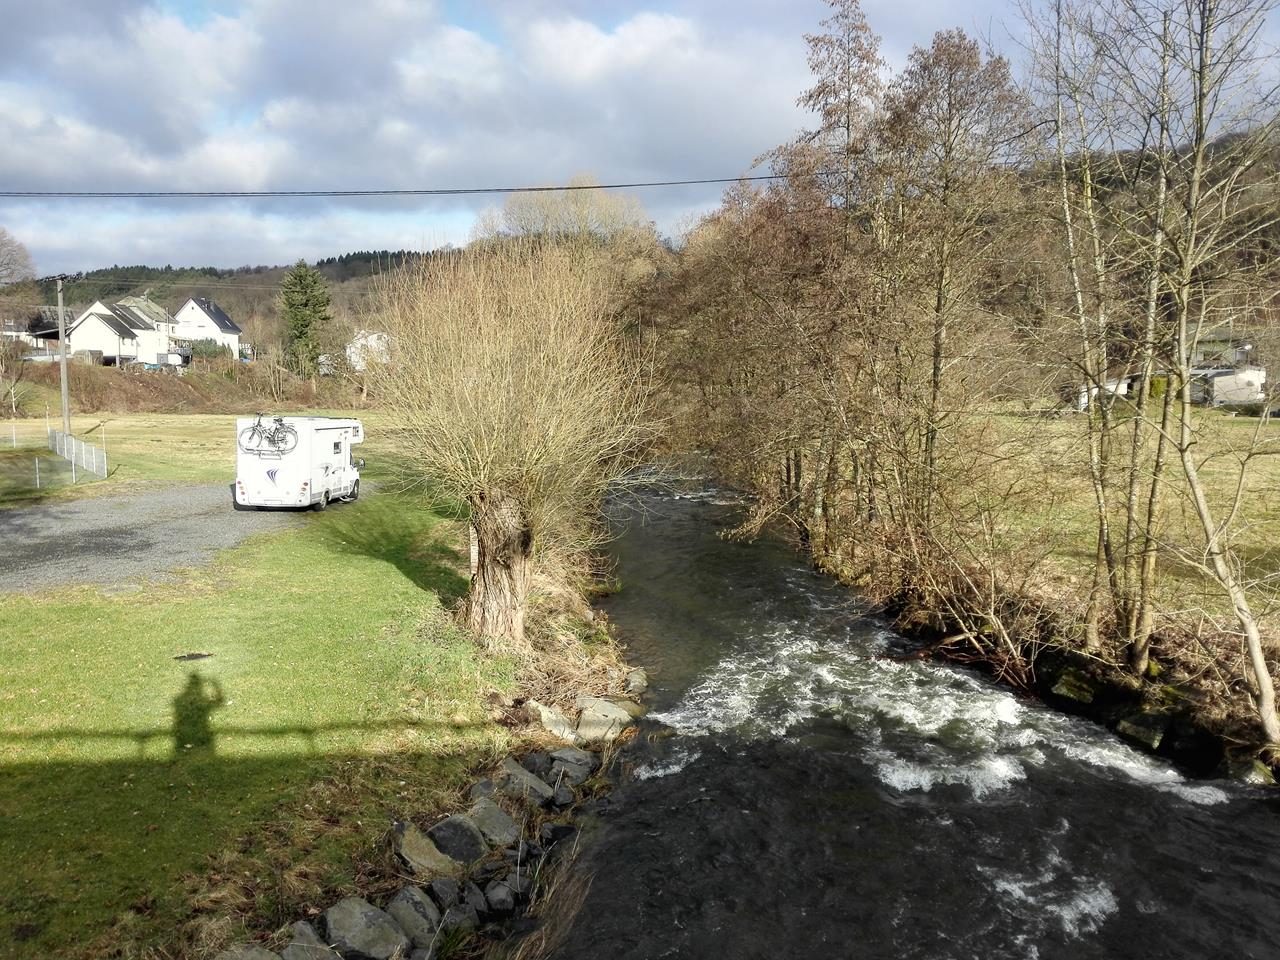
x=276 y=437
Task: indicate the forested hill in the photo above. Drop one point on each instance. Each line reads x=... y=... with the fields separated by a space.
x=247 y=293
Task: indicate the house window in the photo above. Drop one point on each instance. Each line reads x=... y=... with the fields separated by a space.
x=337 y=446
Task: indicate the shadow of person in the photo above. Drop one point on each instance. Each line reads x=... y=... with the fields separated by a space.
x=192 y=710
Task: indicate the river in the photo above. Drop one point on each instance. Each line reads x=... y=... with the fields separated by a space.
x=820 y=800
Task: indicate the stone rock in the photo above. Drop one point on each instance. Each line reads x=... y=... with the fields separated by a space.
x=488 y=870
x=461 y=916
x=633 y=709
x=553 y=721
x=601 y=719
x=417 y=916
x=522 y=852
x=308 y=945
x=360 y=931
x=537 y=762
x=457 y=837
x=247 y=951
x=1144 y=729
x=473 y=896
x=419 y=852
x=637 y=682
x=1249 y=770
x=523 y=785
x=576 y=756
x=424 y=953
x=563 y=796
x=501 y=898
x=444 y=891
x=482 y=789
x=495 y=823
x=574 y=774
x=519 y=882
x=553 y=833
x=1075 y=684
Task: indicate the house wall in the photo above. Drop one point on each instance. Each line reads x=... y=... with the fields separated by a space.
x=90 y=333
x=192 y=323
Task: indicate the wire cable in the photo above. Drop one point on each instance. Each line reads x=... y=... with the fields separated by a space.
x=426 y=192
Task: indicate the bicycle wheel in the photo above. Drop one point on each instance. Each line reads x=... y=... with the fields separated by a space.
x=250 y=440
x=285 y=438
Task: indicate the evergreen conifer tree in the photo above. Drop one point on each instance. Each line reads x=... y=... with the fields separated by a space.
x=304 y=305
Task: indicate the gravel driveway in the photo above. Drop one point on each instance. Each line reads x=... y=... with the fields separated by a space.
x=113 y=540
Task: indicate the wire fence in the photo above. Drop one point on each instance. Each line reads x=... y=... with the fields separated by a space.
x=88 y=457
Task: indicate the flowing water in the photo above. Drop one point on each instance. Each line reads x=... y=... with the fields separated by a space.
x=820 y=800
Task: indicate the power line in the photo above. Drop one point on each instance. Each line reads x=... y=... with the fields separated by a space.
x=431 y=192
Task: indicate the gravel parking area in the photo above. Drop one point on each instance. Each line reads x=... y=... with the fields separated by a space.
x=115 y=540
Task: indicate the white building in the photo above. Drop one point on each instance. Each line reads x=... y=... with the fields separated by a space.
x=368 y=347
x=202 y=319
x=120 y=333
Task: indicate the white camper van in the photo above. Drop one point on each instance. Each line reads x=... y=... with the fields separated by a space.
x=296 y=461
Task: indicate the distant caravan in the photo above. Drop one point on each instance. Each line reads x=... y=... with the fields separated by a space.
x=296 y=461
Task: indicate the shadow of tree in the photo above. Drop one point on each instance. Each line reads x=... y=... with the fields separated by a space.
x=378 y=526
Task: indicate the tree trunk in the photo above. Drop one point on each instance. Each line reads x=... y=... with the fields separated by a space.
x=500 y=584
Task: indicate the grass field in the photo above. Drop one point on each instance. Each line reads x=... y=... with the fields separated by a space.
x=149 y=803
x=1055 y=511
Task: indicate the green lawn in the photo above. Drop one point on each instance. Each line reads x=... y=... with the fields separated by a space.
x=155 y=804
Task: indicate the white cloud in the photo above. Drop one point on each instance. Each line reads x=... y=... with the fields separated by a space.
x=312 y=94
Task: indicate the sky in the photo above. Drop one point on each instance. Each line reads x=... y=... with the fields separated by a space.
x=128 y=95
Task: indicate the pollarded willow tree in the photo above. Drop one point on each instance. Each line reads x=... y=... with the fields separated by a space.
x=518 y=392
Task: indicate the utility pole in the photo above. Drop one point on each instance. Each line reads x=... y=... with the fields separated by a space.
x=62 y=349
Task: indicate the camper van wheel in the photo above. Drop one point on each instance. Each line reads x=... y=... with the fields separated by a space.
x=322 y=502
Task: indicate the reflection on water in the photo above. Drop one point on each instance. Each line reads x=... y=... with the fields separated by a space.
x=821 y=800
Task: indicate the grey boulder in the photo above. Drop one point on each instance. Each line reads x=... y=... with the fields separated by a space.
x=495 y=823
x=459 y=839
x=360 y=931
x=553 y=721
x=444 y=891
x=461 y=916
x=576 y=756
x=416 y=914
x=574 y=774
x=520 y=783
x=308 y=945
x=601 y=718
x=501 y=898
x=419 y=852
x=637 y=682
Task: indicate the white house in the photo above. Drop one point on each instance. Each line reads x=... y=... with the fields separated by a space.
x=202 y=319
x=366 y=347
x=121 y=333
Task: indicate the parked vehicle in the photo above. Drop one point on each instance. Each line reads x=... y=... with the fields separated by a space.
x=296 y=461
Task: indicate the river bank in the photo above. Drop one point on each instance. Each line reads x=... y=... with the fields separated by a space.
x=1166 y=717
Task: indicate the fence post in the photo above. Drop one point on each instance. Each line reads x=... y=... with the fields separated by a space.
x=37 y=473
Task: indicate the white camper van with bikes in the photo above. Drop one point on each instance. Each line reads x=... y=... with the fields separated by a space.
x=296 y=461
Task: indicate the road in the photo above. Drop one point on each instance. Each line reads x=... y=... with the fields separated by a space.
x=120 y=540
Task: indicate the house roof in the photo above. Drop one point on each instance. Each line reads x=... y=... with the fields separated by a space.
x=217 y=315
x=147 y=308
x=46 y=319
x=114 y=324
x=131 y=317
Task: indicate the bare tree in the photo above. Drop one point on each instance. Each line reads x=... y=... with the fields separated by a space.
x=15 y=261
x=519 y=394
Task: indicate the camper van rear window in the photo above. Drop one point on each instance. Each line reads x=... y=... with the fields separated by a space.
x=337 y=447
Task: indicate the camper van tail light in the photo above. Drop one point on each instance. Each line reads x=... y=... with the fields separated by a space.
x=305 y=484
